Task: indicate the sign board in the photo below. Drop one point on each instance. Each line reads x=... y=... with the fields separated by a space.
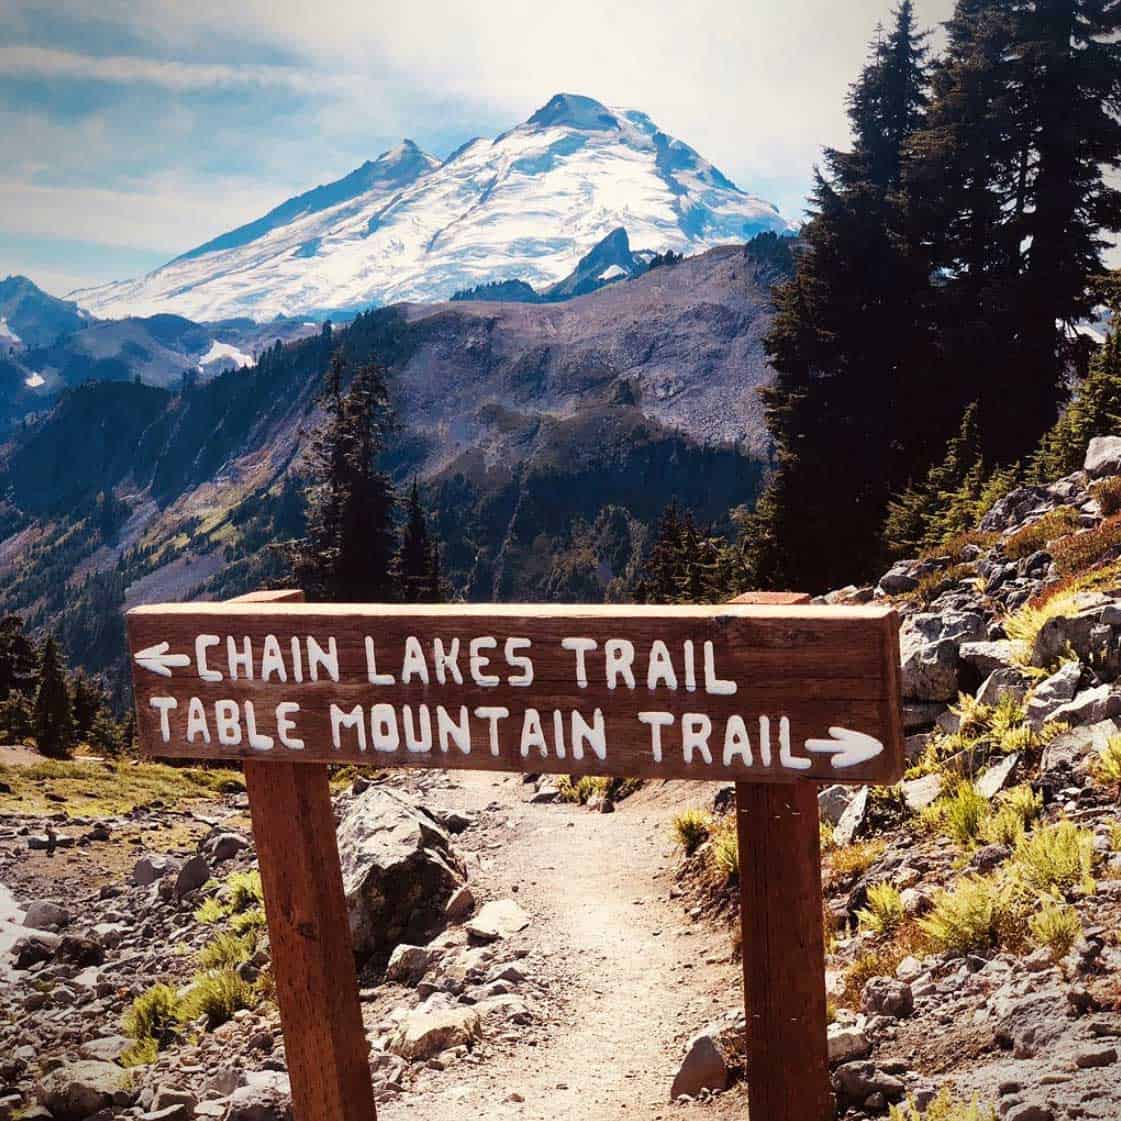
x=740 y=693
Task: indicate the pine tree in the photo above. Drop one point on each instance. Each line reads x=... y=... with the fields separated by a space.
x=416 y=566
x=87 y=699
x=54 y=728
x=843 y=344
x=18 y=659
x=348 y=551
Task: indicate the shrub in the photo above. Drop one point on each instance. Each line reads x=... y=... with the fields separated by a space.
x=724 y=852
x=933 y=584
x=964 y=813
x=1024 y=624
x=216 y=994
x=1057 y=858
x=965 y=919
x=1056 y=926
x=1108 y=494
x=1031 y=538
x=954 y=547
x=245 y=890
x=140 y=1053
x=857 y=858
x=1081 y=551
x=153 y=1015
x=1018 y=808
x=945 y=1107
x=227 y=950
x=884 y=913
x=211 y=911
x=691 y=829
x=1107 y=767
x=253 y=919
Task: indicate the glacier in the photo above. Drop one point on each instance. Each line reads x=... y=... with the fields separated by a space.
x=527 y=204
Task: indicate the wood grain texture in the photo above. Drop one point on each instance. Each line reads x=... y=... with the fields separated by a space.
x=783 y=952
x=814 y=667
x=309 y=935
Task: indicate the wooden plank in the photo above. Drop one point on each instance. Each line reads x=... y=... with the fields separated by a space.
x=764 y=693
x=312 y=958
x=783 y=952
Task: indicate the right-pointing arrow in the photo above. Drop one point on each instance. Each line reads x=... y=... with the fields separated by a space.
x=158 y=660
x=847 y=747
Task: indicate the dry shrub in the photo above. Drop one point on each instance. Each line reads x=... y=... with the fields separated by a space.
x=1040 y=533
x=1081 y=551
x=1108 y=494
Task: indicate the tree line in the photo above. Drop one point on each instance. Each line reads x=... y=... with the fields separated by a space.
x=931 y=332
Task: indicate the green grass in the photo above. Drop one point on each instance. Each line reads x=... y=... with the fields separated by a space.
x=1056 y=926
x=945 y=1107
x=104 y=789
x=1056 y=859
x=691 y=829
x=884 y=913
x=154 y=1015
x=1107 y=766
x=227 y=950
x=215 y=995
x=967 y=917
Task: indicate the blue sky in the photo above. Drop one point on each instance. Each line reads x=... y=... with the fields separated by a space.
x=132 y=130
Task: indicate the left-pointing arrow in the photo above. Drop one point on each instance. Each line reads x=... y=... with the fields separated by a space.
x=158 y=660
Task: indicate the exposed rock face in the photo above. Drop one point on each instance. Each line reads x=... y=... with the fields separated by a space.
x=399 y=871
x=422 y=1034
x=78 y=1090
x=929 y=648
x=1103 y=456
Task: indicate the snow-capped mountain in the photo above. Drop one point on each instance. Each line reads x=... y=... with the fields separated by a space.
x=528 y=204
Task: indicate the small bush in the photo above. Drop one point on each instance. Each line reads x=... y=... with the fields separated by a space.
x=1018 y=808
x=153 y=1015
x=884 y=914
x=1081 y=551
x=945 y=1107
x=974 y=718
x=1108 y=494
x=1107 y=767
x=1056 y=926
x=723 y=850
x=963 y=814
x=216 y=995
x=140 y=1053
x=211 y=911
x=1056 y=859
x=1024 y=624
x=954 y=547
x=245 y=890
x=246 y=921
x=691 y=829
x=1051 y=526
x=857 y=858
x=965 y=919
x=227 y=950
x=933 y=584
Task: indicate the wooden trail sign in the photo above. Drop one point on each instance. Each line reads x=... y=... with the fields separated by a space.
x=761 y=694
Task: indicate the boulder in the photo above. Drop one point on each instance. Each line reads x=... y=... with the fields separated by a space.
x=148 y=869
x=847 y=1043
x=45 y=915
x=105 y=1049
x=266 y=1096
x=1103 y=457
x=225 y=846
x=408 y=963
x=857 y=1081
x=1077 y=745
x=994 y=779
x=399 y=871
x=887 y=996
x=79 y=950
x=1002 y=682
x=705 y=1066
x=76 y=1090
x=424 y=1033
x=192 y=875
x=34 y=948
x=1081 y=630
x=929 y=646
x=919 y=793
x=497 y=919
x=460 y=905
x=1091 y=706
x=988 y=657
x=903 y=576
x=1053 y=692
x=852 y=819
x=833 y=801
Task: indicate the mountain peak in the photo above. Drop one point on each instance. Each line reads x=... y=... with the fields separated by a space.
x=574 y=111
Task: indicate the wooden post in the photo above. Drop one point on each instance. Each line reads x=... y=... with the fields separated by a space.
x=312 y=957
x=783 y=943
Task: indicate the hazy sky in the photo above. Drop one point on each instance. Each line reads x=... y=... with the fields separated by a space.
x=132 y=130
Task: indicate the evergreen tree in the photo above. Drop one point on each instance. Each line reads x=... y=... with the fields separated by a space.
x=416 y=566
x=87 y=699
x=843 y=344
x=348 y=551
x=54 y=727
x=18 y=659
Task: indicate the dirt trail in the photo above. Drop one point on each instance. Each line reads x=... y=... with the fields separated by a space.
x=635 y=976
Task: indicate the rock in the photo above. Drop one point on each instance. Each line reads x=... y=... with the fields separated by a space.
x=265 y=1097
x=422 y=1034
x=192 y=876
x=903 y=576
x=853 y=818
x=497 y=919
x=1091 y=706
x=1002 y=682
x=460 y=905
x=987 y=657
x=408 y=963
x=857 y=1080
x=914 y=747
x=705 y=1066
x=225 y=846
x=993 y=779
x=1090 y=1057
x=105 y=1049
x=920 y=714
x=833 y=801
x=399 y=871
x=148 y=869
x=887 y=996
x=1028 y=1111
x=34 y=948
x=1053 y=692
x=1081 y=631
x=919 y=793
x=1079 y=744
x=929 y=653
x=167 y=1096
x=44 y=915
x=1103 y=457
x=76 y=1090
x=989 y=857
x=847 y=1043
x=79 y=950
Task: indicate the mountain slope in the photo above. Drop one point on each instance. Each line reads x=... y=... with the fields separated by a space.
x=30 y=318
x=526 y=205
x=547 y=438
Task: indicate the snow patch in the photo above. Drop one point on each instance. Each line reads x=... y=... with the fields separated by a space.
x=7 y=335
x=33 y=381
x=219 y=352
x=612 y=271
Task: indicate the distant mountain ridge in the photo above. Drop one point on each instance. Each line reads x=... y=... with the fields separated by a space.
x=527 y=205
